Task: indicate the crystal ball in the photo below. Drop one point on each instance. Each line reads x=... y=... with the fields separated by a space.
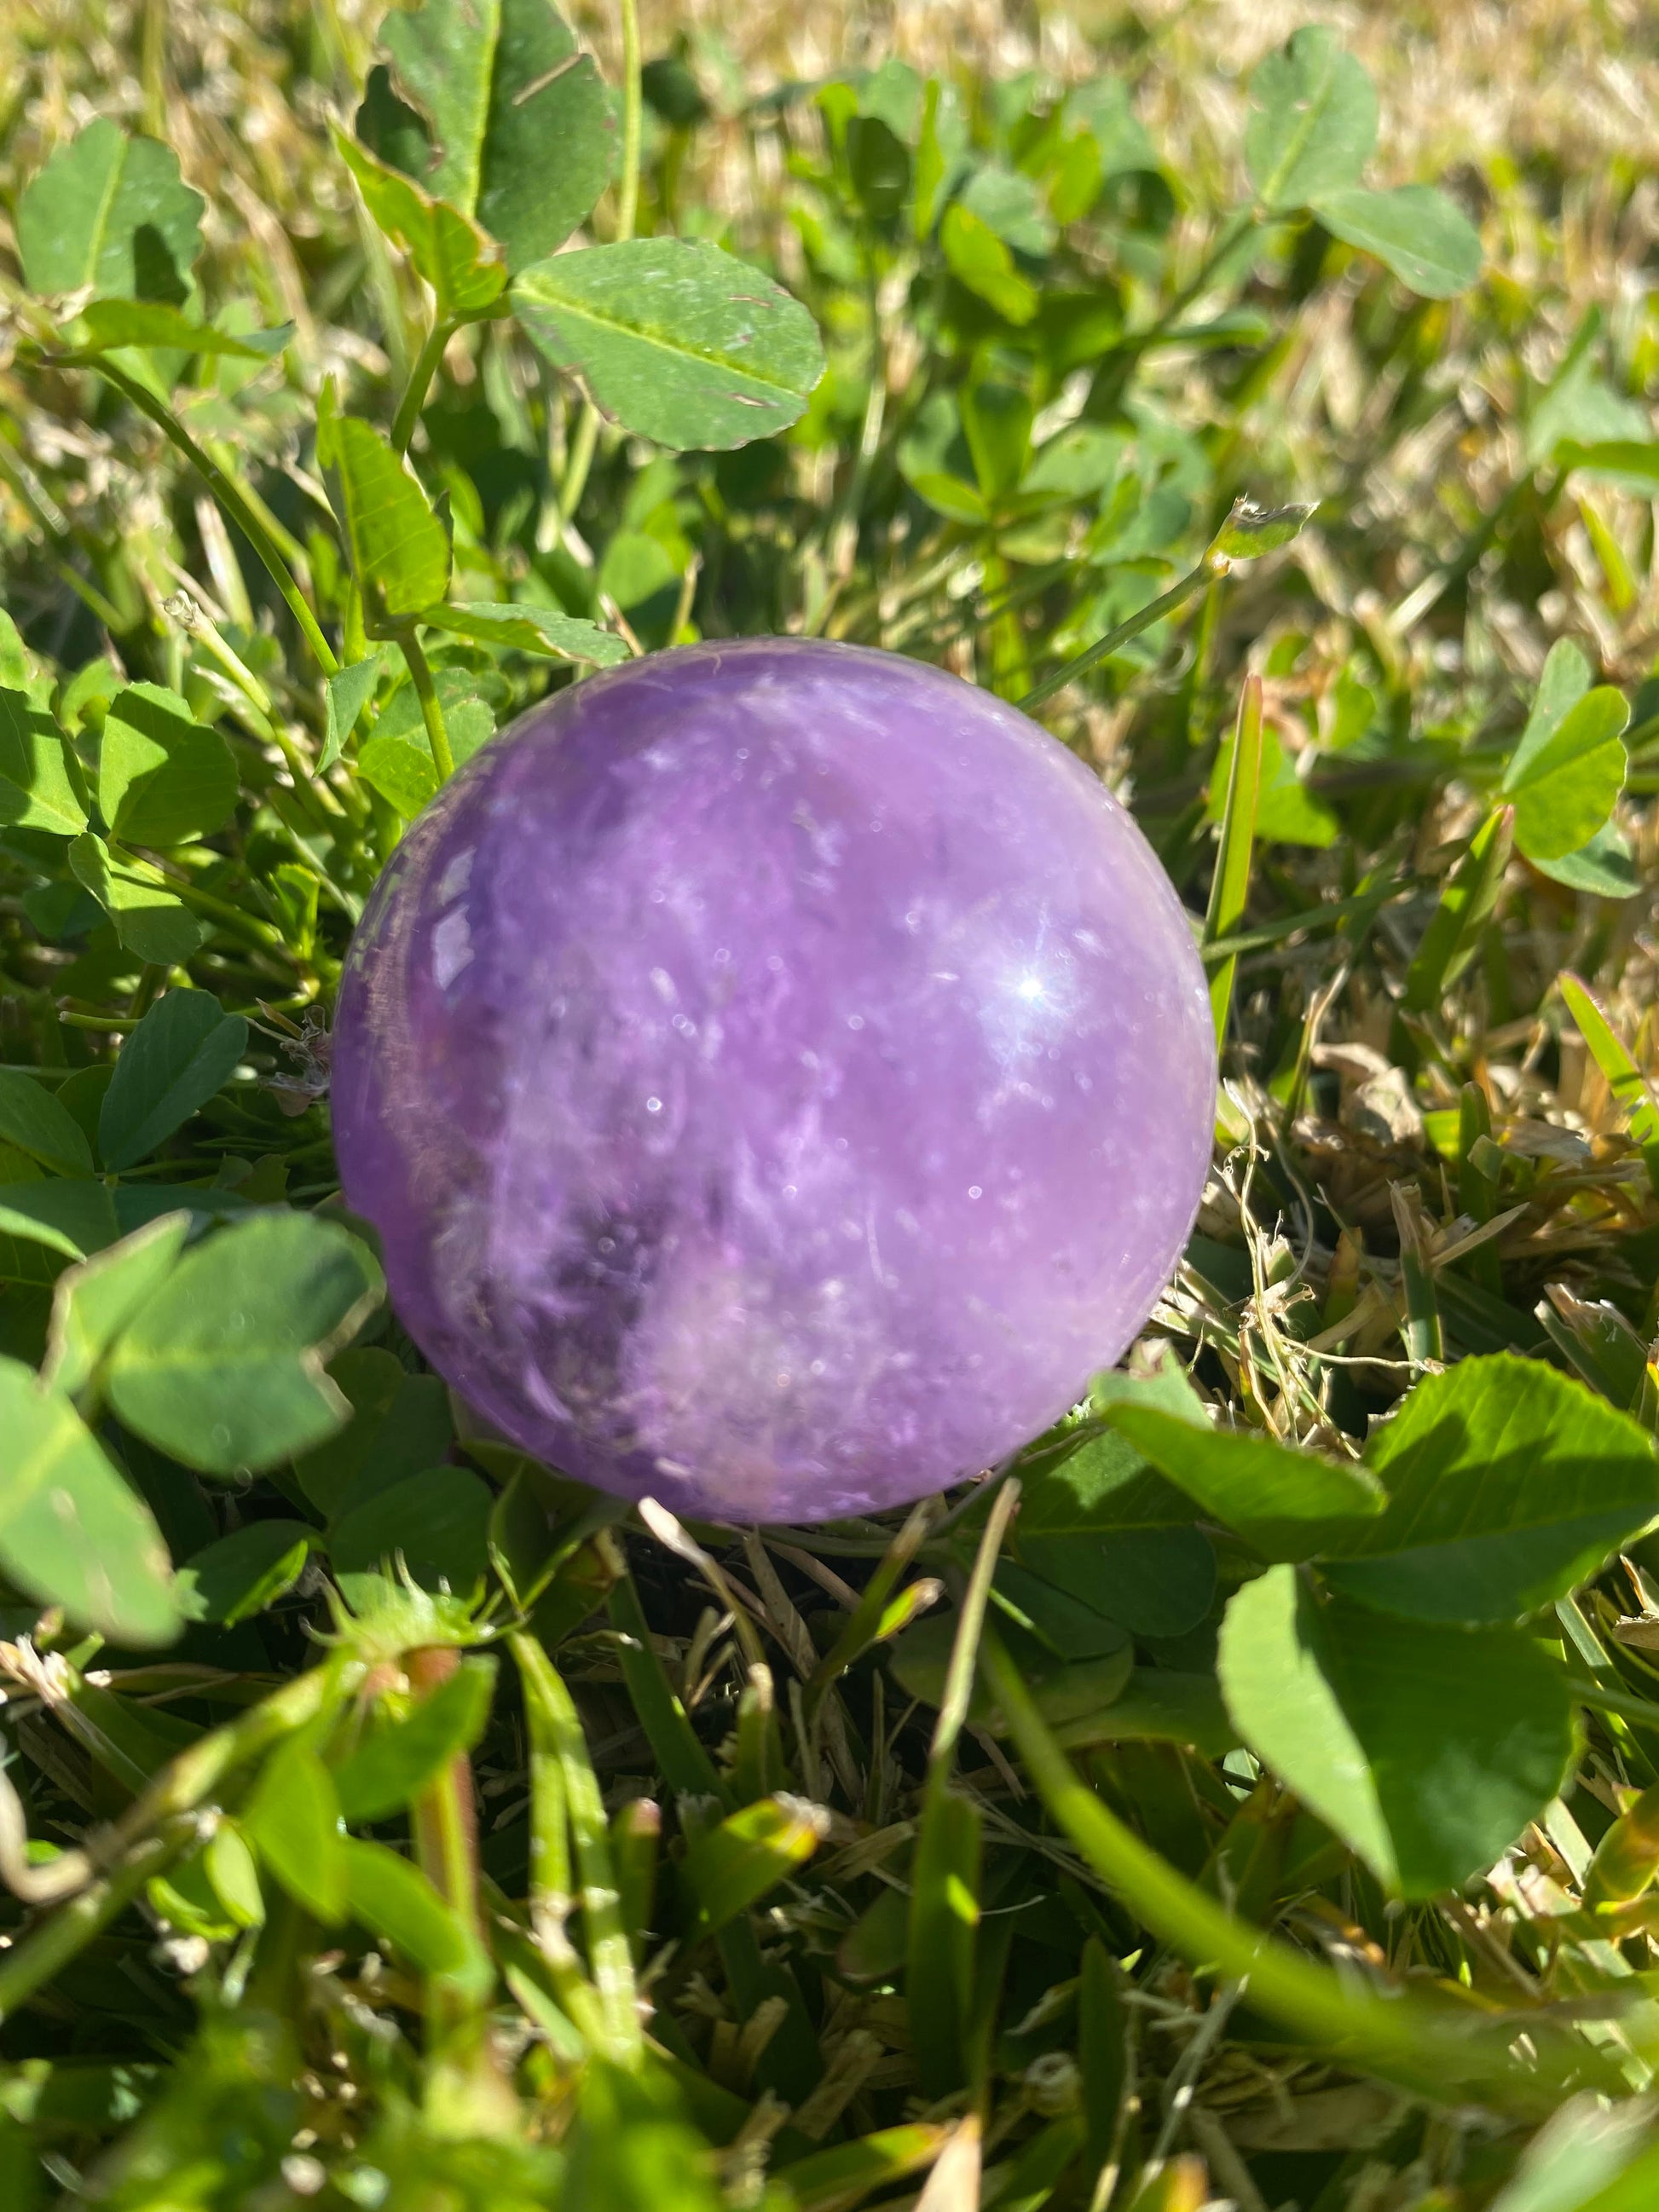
x=780 y=1074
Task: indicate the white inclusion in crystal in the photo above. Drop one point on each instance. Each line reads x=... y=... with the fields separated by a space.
x=453 y=880
x=452 y=948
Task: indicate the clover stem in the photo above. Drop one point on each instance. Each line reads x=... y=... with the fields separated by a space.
x=1176 y=596
x=467 y=2093
x=48 y=1948
x=233 y=499
x=1392 y=2033
x=627 y=192
x=432 y=710
x=579 y=462
x=627 y=207
x=420 y=378
x=443 y=1817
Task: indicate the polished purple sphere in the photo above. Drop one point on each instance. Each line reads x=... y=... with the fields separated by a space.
x=781 y=1073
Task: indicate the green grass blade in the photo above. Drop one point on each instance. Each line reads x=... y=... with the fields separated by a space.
x=1230 y=887
x=1624 y=1078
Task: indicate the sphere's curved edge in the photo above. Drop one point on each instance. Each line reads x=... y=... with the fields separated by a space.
x=780 y=1075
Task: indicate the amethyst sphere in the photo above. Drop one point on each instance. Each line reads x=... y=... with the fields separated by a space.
x=780 y=1074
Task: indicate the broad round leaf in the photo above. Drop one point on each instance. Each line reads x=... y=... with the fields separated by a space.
x=38 y=787
x=1425 y=238
x=1314 y=122
x=111 y=212
x=93 y=1302
x=162 y=776
x=1508 y=1486
x=72 y=1531
x=398 y=548
x=152 y=922
x=679 y=342
x=524 y=137
x=437 y=1523
x=178 y=1057
x=31 y=1120
x=1565 y=783
x=246 y=1572
x=463 y=267
x=1428 y=1750
x=224 y=1368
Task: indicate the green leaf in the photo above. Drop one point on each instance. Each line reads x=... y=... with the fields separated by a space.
x=678 y=342
x=1063 y=1624
x=462 y=264
x=1425 y=238
x=437 y=1523
x=1562 y=682
x=1104 y=106
x=1427 y=1749
x=224 y=1368
x=151 y=921
x=524 y=139
x=1605 y=868
x=1010 y=204
x=74 y=1217
x=1283 y=1502
x=93 y=1303
x=162 y=776
x=394 y=1759
x=1250 y=531
x=1286 y=812
x=980 y=259
x=1563 y=782
x=72 y=1532
x=541 y=630
x=1068 y=1693
x=292 y=1821
x=1229 y=884
x=1314 y=123
x=399 y=552
x=32 y=1122
x=879 y=166
x=467 y=713
x=1100 y=1526
x=1455 y=931
x=112 y=323
x=849 y=2173
x=246 y=1572
x=729 y=1867
x=180 y=1055
x=1592 y=2157
x=344 y=695
x=399 y=1426
x=39 y=789
x=942 y=1938
x=234 y=1874
x=1632 y=464
x=1078 y=463
x=1156 y=1581
x=1612 y=1055
x=392 y=1899
x=404 y=775
x=111 y=212
x=1508 y=1486
x=996 y=422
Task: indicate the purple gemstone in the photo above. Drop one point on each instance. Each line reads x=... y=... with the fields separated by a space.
x=781 y=1075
